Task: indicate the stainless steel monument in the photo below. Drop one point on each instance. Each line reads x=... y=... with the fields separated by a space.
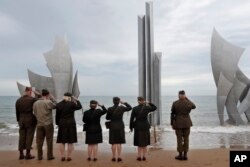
x=59 y=63
x=232 y=85
x=149 y=63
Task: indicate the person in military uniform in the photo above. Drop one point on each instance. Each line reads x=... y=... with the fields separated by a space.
x=65 y=120
x=139 y=122
x=42 y=109
x=92 y=120
x=27 y=123
x=181 y=123
x=116 y=129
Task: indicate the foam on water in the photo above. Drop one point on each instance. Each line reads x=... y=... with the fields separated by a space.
x=216 y=129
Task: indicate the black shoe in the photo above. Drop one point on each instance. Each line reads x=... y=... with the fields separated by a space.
x=95 y=159
x=63 y=159
x=69 y=159
x=21 y=157
x=88 y=159
x=28 y=157
x=51 y=158
x=185 y=156
x=119 y=160
x=138 y=159
x=113 y=159
x=144 y=158
x=178 y=157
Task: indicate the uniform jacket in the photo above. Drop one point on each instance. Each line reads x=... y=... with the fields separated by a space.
x=24 y=111
x=115 y=114
x=180 y=111
x=139 y=116
x=92 y=118
x=65 y=113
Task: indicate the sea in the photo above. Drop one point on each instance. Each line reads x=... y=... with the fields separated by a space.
x=205 y=133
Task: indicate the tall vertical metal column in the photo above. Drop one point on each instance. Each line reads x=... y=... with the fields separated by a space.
x=149 y=63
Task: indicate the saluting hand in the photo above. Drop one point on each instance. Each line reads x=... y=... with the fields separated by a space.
x=122 y=102
x=99 y=105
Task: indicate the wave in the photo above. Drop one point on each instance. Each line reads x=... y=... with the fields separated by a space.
x=229 y=129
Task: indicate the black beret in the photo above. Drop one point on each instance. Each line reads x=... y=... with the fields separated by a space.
x=181 y=92
x=67 y=94
x=93 y=102
x=45 y=92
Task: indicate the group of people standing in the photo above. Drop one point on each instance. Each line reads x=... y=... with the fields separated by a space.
x=35 y=114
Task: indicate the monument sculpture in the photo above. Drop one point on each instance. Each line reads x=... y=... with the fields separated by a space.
x=59 y=63
x=149 y=63
x=232 y=85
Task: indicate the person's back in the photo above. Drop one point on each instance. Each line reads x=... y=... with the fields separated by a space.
x=24 y=108
x=93 y=129
x=66 y=112
x=115 y=113
x=116 y=128
x=181 y=123
x=27 y=123
x=67 y=132
x=45 y=129
x=43 y=111
x=182 y=109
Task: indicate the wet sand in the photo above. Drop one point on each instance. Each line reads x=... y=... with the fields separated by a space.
x=155 y=157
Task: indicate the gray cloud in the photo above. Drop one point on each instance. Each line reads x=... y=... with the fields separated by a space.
x=103 y=41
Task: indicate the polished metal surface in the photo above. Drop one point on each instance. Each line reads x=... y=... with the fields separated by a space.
x=149 y=63
x=232 y=85
x=59 y=63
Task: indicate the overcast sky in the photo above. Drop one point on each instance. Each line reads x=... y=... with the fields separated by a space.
x=102 y=36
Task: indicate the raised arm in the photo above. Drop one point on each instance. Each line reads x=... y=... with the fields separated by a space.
x=132 y=118
x=103 y=110
x=190 y=104
x=108 y=116
x=77 y=105
x=127 y=107
x=152 y=107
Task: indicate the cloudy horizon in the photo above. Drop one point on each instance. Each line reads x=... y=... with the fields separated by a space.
x=102 y=36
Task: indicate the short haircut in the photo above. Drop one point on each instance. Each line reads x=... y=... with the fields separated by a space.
x=93 y=102
x=140 y=98
x=181 y=92
x=45 y=92
x=27 y=89
x=116 y=99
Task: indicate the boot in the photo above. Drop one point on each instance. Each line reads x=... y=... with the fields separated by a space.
x=185 y=156
x=179 y=157
x=28 y=155
x=21 y=156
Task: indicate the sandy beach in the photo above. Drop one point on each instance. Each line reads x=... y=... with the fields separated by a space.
x=156 y=158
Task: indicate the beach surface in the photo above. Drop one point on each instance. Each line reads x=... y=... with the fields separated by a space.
x=155 y=158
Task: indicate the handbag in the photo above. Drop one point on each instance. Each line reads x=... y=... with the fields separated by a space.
x=108 y=123
x=85 y=127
